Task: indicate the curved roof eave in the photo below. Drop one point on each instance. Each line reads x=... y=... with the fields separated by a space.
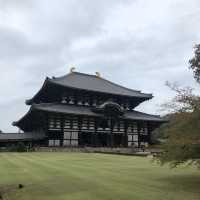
x=59 y=108
x=81 y=110
x=30 y=101
x=16 y=123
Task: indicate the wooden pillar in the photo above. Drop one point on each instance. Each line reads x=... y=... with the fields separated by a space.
x=149 y=131
x=62 y=121
x=91 y=134
x=138 y=128
x=96 y=134
x=111 y=132
x=47 y=130
x=125 y=136
x=79 y=130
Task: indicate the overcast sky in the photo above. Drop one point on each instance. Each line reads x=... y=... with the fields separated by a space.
x=137 y=43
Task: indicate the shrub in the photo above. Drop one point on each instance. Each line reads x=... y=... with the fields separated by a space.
x=21 y=147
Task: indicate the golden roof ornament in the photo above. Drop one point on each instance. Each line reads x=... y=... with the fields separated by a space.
x=72 y=69
x=98 y=74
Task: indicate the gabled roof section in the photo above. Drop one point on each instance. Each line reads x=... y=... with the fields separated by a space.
x=30 y=101
x=87 y=82
x=85 y=110
x=82 y=111
x=95 y=83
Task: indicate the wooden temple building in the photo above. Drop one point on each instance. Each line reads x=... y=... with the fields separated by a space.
x=86 y=110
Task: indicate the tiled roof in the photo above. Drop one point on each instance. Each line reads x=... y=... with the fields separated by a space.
x=21 y=136
x=84 y=110
x=94 y=83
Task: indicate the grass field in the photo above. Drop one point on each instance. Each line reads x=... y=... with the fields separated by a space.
x=82 y=176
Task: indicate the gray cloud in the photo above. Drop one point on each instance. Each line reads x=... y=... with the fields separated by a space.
x=139 y=44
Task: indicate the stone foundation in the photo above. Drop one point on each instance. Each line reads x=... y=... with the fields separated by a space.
x=123 y=151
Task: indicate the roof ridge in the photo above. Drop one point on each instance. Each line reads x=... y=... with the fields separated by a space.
x=61 y=77
x=71 y=73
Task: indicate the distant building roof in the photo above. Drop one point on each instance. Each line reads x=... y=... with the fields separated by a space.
x=22 y=136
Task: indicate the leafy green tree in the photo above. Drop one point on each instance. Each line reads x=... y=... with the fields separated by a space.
x=183 y=130
x=195 y=62
x=159 y=135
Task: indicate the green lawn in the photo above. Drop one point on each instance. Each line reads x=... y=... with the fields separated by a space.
x=82 y=176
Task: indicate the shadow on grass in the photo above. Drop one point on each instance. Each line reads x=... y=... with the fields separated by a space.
x=187 y=183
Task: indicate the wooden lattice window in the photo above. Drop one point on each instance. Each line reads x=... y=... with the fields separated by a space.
x=54 y=123
x=67 y=123
x=70 y=138
x=75 y=123
x=54 y=143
